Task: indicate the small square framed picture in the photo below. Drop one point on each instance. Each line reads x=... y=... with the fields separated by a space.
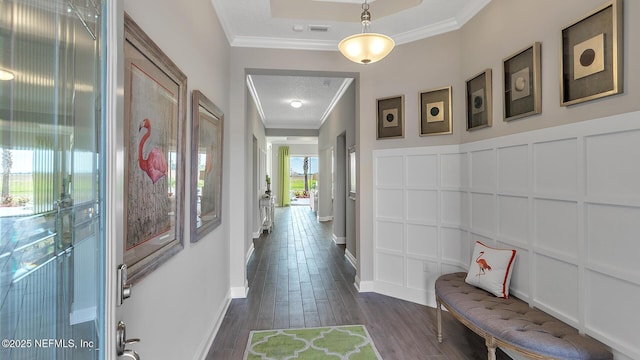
x=479 y=105
x=435 y=111
x=390 y=117
x=522 y=83
x=592 y=61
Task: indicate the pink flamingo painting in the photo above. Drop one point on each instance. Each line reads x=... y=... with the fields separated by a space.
x=482 y=264
x=155 y=165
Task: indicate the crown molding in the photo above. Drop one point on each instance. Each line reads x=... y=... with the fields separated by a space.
x=284 y=43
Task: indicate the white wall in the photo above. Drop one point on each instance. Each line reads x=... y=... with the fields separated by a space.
x=566 y=198
x=175 y=309
x=452 y=58
x=341 y=122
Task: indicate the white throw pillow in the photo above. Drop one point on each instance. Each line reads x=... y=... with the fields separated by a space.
x=491 y=269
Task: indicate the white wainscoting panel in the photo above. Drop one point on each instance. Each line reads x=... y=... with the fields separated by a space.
x=567 y=198
x=393 y=201
x=390 y=236
x=483 y=213
x=422 y=206
x=612 y=308
x=613 y=238
x=422 y=240
x=452 y=202
x=390 y=268
x=556 y=167
x=455 y=246
x=513 y=169
x=420 y=171
x=608 y=165
x=556 y=288
x=520 y=276
x=513 y=219
x=559 y=237
x=391 y=169
x=483 y=170
x=453 y=170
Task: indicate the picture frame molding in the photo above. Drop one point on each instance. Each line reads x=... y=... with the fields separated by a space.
x=140 y=266
x=616 y=55
x=448 y=107
x=535 y=88
x=198 y=99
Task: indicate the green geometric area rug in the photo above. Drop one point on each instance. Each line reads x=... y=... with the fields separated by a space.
x=350 y=342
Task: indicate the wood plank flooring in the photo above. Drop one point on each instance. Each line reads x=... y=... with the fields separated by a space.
x=299 y=278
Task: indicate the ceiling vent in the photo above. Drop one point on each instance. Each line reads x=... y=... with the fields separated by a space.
x=318 y=28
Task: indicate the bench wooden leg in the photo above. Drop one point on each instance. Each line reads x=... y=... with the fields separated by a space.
x=491 y=348
x=439 y=319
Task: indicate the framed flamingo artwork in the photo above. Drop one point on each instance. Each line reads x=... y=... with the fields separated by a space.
x=206 y=165
x=154 y=138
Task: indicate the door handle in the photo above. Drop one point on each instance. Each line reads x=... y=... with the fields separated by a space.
x=122 y=341
x=130 y=354
x=124 y=288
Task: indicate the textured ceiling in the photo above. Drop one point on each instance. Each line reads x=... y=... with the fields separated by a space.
x=318 y=94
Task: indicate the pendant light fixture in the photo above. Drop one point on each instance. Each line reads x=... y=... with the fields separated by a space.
x=366 y=47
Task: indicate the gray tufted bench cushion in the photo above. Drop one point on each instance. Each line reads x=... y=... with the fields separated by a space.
x=512 y=324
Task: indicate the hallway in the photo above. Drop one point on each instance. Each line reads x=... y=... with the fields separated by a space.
x=299 y=278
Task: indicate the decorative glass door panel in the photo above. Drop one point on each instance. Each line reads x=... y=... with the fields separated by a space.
x=51 y=246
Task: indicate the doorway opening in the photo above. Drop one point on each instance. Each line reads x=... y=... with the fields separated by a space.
x=303 y=178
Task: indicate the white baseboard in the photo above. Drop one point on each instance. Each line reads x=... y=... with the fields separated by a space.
x=339 y=240
x=363 y=286
x=249 y=253
x=418 y=296
x=213 y=329
x=325 y=218
x=351 y=259
x=239 y=292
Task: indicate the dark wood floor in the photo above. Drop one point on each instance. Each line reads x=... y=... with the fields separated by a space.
x=299 y=278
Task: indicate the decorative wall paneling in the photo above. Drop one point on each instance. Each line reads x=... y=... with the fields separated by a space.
x=567 y=198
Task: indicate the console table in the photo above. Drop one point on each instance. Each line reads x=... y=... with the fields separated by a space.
x=267 y=205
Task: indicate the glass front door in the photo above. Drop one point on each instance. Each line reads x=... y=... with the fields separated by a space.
x=51 y=247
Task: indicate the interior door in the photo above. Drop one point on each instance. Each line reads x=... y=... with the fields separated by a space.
x=52 y=246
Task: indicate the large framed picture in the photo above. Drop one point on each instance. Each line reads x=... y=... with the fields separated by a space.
x=522 y=83
x=435 y=111
x=352 y=172
x=390 y=117
x=592 y=61
x=206 y=165
x=479 y=104
x=155 y=92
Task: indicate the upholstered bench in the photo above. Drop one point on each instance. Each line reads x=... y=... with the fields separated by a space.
x=512 y=324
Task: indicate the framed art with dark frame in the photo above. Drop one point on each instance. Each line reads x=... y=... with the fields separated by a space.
x=206 y=165
x=435 y=111
x=155 y=94
x=592 y=61
x=479 y=107
x=522 y=83
x=352 y=172
x=390 y=114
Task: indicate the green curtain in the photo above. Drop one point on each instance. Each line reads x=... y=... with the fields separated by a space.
x=283 y=175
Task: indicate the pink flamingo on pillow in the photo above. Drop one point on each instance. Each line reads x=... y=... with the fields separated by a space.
x=482 y=264
x=155 y=165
